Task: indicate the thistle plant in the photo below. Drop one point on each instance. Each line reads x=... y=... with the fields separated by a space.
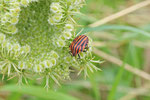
x=34 y=40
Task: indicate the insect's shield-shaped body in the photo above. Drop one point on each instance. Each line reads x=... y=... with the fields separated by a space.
x=79 y=44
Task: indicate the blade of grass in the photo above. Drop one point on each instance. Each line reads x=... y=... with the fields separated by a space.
x=116 y=27
x=116 y=83
x=112 y=93
x=132 y=59
x=94 y=85
x=38 y=92
x=134 y=56
x=14 y=96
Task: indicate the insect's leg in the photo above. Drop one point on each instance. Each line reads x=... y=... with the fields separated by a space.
x=70 y=53
x=86 y=48
x=79 y=56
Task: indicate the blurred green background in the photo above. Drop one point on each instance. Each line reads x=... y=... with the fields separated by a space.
x=126 y=38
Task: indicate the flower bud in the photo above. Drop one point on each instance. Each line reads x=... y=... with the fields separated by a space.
x=14 y=13
x=14 y=20
x=47 y=64
x=2 y=37
x=16 y=47
x=15 y=4
x=38 y=68
x=16 y=10
x=67 y=59
x=51 y=21
x=8 y=16
x=61 y=43
x=62 y=37
x=67 y=34
x=27 y=49
x=69 y=27
x=53 y=61
x=21 y=65
x=57 y=17
x=12 y=29
x=55 y=7
x=54 y=55
x=25 y=2
x=29 y=65
x=4 y=20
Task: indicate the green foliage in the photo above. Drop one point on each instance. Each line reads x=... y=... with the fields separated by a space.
x=118 y=27
x=38 y=28
x=38 y=92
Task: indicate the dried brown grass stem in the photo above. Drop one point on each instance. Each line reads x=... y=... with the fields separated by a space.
x=120 y=14
x=118 y=62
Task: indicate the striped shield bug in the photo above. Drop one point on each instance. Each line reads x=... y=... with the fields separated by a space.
x=79 y=44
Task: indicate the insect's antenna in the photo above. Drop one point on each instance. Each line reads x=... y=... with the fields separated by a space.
x=80 y=31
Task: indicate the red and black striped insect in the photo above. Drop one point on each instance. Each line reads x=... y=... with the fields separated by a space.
x=79 y=44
